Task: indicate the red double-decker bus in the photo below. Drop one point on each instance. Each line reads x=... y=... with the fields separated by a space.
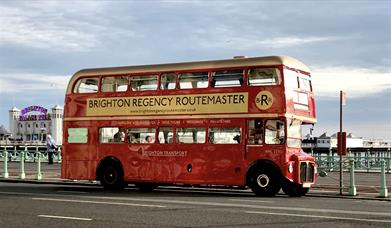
x=234 y=122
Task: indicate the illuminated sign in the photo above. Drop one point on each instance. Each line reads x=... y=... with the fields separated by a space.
x=39 y=113
x=172 y=104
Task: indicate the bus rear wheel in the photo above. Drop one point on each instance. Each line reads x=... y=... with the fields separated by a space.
x=294 y=190
x=264 y=182
x=111 y=176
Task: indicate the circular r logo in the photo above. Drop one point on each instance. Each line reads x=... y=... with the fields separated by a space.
x=264 y=100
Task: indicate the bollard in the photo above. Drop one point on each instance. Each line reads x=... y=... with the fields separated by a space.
x=22 y=174
x=383 y=185
x=5 y=171
x=352 y=185
x=59 y=158
x=38 y=176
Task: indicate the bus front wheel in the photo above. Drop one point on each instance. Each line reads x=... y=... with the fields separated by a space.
x=264 y=182
x=294 y=190
x=111 y=176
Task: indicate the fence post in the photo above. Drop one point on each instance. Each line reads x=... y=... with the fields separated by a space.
x=352 y=186
x=22 y=174
x=38 y=176
x=329 y=157
x=59 y=155
x=5 y=171
x=383 y=185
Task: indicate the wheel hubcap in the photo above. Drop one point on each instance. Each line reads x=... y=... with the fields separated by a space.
x=263 y=180
x=110 y=176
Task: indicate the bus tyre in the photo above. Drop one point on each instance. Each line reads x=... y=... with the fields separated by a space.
x=111 y=176
x=294 y=190
x=264 y=182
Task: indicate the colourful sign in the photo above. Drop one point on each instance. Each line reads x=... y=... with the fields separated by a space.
x=43 y=115
x=172 y=104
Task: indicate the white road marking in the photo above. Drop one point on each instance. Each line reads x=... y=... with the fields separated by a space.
x=76 y=192
x=63 y=217
x=320 y=216
x=233 y=205
x=99 y=202
x=251 y=201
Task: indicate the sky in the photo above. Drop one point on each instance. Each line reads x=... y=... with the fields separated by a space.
x=346 y=44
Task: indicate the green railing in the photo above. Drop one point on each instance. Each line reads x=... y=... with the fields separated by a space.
x=30 y=153
x=365 y=159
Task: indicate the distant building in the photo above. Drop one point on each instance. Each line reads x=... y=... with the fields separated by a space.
x=33 y=123
x=377 y=143
x=326 y=141
x=4 y=134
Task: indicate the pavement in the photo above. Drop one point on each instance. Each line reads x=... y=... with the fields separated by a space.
x=367 y=184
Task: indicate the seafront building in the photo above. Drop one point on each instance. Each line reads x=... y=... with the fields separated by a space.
x=33 y=123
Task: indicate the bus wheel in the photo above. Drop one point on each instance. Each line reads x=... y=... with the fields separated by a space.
x=111 y=176
x=264 y=182
x=294 y=190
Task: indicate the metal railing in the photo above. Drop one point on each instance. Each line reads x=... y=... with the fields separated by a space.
x=30 y=153
x=365 y=159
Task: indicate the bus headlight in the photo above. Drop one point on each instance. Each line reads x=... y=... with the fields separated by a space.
x=290 y=168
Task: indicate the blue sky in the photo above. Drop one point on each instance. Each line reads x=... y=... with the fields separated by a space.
x=346 y=44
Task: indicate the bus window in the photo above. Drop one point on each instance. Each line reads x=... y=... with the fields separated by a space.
x=305 y=83
x=294 y=133
x=111 y=135
x=190 y=135
x=141 y=135
x=165 y=135
x=86 y=85
x=290 y=78
x=224 y=135
x=142 y=83
x=168 y=81
x=255 y=132
x=114 y=84
x=263 y=76
x=193 y=80
x=274 y=132
x=227 y=78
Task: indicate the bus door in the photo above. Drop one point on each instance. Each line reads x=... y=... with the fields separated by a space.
x=254 y=139
x=265 y=139
x=226 y=150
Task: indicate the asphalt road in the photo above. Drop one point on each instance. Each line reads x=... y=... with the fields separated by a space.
x=45 y=205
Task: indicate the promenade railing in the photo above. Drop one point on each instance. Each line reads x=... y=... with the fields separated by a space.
x=30 y=153
x=365 y=159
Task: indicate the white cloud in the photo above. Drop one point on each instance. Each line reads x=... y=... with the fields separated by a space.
x=240 y=42
x=40 y=26
x=357 y=82
x=21 y=83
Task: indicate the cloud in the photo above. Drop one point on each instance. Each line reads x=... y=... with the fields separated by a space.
x=47 y=26
x=357 y=82
x=14 y=83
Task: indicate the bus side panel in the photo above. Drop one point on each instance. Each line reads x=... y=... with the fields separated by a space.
x=192 y=167
x=225 y=164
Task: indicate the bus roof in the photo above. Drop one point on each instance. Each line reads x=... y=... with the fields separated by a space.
x=210 y=64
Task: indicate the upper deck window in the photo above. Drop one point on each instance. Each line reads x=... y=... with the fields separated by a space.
x=114 y=84
x=264 y=76
x=168 y=81
x=142 y=83
x=227 y=78
x=193 y=80
x=305 y=82
x=86 y=85
x=290 y=78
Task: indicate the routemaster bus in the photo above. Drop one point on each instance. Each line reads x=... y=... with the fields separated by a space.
x=233 y=122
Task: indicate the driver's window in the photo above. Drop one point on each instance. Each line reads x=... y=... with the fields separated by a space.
x=255 y=132
x=274 y=132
